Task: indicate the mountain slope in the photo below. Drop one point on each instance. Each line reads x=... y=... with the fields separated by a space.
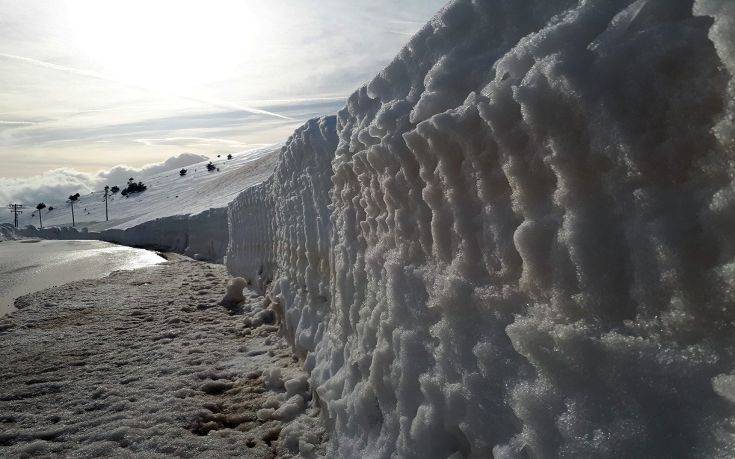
x=168 y=194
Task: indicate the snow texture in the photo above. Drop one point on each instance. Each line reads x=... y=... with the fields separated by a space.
x=523 y=244
x=234 y=294
x=8 y=232
x=145 y=363
x=280 y=233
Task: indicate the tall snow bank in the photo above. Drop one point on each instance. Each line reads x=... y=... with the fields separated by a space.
x=531 y=220
x=280 y=232
x=202 y=236
x=530 y=246
x=65 y=233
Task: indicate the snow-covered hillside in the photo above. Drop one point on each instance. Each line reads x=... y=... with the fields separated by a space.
x=530 y=249
x=168 y=194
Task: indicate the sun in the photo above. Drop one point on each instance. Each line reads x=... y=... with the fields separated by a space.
x=168 y=45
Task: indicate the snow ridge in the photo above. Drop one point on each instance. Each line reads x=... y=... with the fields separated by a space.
x=529 y=248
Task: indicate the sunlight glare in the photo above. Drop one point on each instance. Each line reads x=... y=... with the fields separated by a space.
x=167 y=44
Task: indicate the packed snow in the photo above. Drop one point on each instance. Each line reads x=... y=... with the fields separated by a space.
x=280 y=232
x=146 y=363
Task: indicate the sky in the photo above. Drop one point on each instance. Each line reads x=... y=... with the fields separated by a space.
x=86 y=85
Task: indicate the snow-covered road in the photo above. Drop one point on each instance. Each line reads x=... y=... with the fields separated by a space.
x=146 y=363
x=30 y=266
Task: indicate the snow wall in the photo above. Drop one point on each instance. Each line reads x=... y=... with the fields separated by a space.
x=65 y=233
x=202 y=236
x=527 y=246
x=280 y=232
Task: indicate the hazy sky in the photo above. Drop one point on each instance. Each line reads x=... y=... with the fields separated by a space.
x=89 y=84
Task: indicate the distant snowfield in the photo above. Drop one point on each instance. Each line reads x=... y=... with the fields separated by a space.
x=168 y=194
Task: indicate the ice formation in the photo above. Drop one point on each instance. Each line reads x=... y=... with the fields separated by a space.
x=516 y=241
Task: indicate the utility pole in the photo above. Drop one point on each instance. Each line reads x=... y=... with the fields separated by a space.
x=16 y=209
x=107 y=193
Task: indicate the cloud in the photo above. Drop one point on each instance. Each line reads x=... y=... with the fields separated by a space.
x=55 y=185
x=16 y=123
x=119 y=175
x=198 y=141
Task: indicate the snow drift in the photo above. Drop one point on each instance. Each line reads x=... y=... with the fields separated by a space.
x=523 y=243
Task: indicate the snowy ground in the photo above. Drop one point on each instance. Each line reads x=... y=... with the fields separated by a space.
x=146 y=362
x=33 y=265
x=168 y=194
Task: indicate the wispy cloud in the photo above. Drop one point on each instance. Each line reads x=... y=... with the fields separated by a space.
x=191 y=141
x=98 y=76
x=78 y=89
x=16 y=123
